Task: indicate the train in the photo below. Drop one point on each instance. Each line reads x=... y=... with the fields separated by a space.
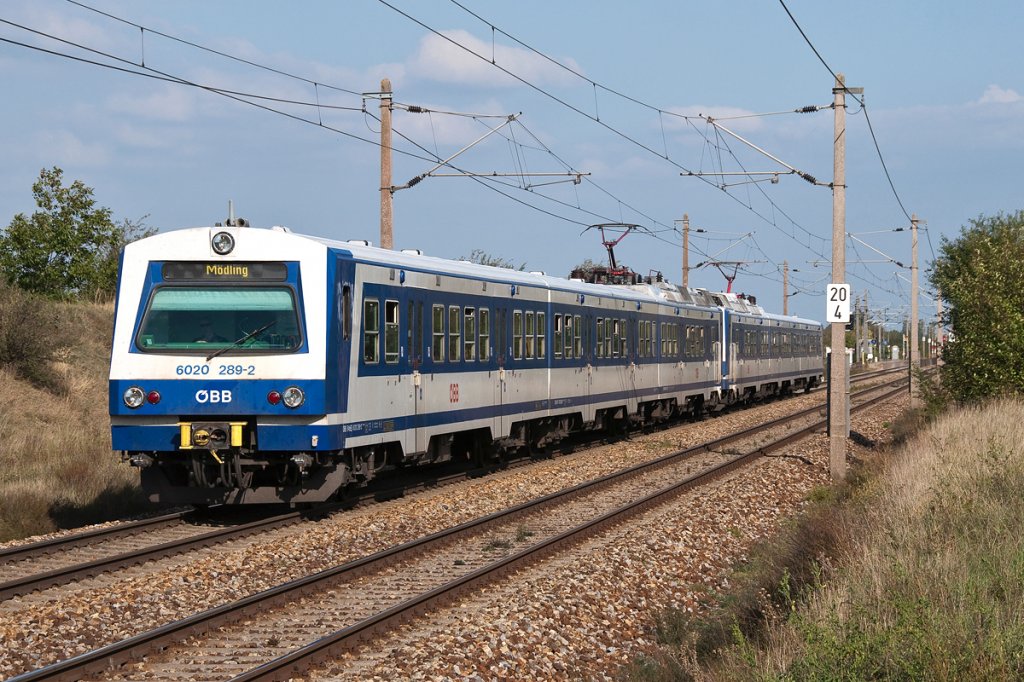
x=260 y=366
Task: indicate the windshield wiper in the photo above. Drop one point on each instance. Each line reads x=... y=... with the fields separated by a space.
x=240 y=341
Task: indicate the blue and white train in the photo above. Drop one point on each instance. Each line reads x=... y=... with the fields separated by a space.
x=257 y=365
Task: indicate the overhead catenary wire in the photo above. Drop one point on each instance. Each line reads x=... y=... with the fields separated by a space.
x=559 y=100
x=859 y=100
x=210 y=49
x=316 y=83
x=320 y=122
x=152 y=73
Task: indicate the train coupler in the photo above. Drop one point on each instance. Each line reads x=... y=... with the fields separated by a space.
x=210 y=435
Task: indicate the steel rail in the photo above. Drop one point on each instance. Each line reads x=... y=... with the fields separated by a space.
x=286 y=666
x=158 y=638
x=59 y=544
x=74 y=572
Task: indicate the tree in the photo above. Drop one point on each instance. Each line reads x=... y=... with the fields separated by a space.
x=69 y=247
x=481 y=257
x=981 y=275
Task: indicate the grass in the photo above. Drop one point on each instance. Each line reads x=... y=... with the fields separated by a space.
x=58 y=469
x=921 y=579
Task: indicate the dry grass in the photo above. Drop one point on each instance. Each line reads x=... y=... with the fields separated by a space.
x=927 y=583
x=58 y=469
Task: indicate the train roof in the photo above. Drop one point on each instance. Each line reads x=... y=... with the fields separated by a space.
x=657 y=292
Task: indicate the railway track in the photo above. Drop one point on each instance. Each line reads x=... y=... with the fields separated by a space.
x=60 y=561
x=284 y=629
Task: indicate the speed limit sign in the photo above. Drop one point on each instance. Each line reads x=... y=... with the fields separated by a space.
x=837 y=303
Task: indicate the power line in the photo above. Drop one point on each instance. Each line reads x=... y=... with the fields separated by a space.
x=594 y=118
x=210 y=49
x=860 y=100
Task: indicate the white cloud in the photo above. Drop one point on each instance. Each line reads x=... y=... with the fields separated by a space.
x=170 y=103
x=66 y=27
x=441 y=60
x=63 y=148
x=996 y=95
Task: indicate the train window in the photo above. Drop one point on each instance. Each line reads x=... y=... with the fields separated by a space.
x=558 y=336
x=765 y=351
x=454 y=333
x=588 y=337
x=391 y=332
x=650 y=339
x=409 y=317
x=695 y=342
x=517 y=334
x=198 y=319
x=485 y=334
x=567 y=328
x=346 y=312
x=437 y=330
x=623 y=341
x=577 y=337
x=470 y=330
x=371 y=331
x=531 y=332
x=600 y=337
x=616 y=332
x=542 y=336
x=417 y=354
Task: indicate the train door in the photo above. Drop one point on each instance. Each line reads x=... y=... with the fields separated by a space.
x=588 y=367
x=500 y=423
x=414 y=338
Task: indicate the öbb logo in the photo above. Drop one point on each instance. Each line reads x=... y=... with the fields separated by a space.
x=204 y=396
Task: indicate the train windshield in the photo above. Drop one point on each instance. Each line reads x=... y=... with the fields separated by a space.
x=202 y=319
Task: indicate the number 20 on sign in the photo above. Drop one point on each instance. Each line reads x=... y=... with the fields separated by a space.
x=837 y=303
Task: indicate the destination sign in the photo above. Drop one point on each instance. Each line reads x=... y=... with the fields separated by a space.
x=225 y=272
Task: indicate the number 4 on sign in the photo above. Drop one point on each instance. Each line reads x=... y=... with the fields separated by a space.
x=837 y=303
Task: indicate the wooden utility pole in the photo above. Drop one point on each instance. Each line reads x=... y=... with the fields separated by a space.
x=839 y=417
x=686 y=250
x=386 y=193
x=939 y=332
x=785 y=287
x=915 y=353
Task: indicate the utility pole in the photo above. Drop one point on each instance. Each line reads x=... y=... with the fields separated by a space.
x=386 y=192
x=785 y=287
x=839 y=417
x=686 y=250
x=915 y=353
x=939 y=333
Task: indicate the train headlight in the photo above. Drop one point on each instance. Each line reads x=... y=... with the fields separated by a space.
x=134 y=397
x=293 y=397
x=223 y=243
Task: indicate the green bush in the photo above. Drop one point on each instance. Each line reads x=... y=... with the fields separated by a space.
x=981 y=275
x=31 y=340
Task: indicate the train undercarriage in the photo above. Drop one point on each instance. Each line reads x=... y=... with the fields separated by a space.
x=221 y=463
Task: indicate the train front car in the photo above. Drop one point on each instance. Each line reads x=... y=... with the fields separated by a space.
x=218 y=369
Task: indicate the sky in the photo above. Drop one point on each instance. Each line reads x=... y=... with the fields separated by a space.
x=614 y=94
